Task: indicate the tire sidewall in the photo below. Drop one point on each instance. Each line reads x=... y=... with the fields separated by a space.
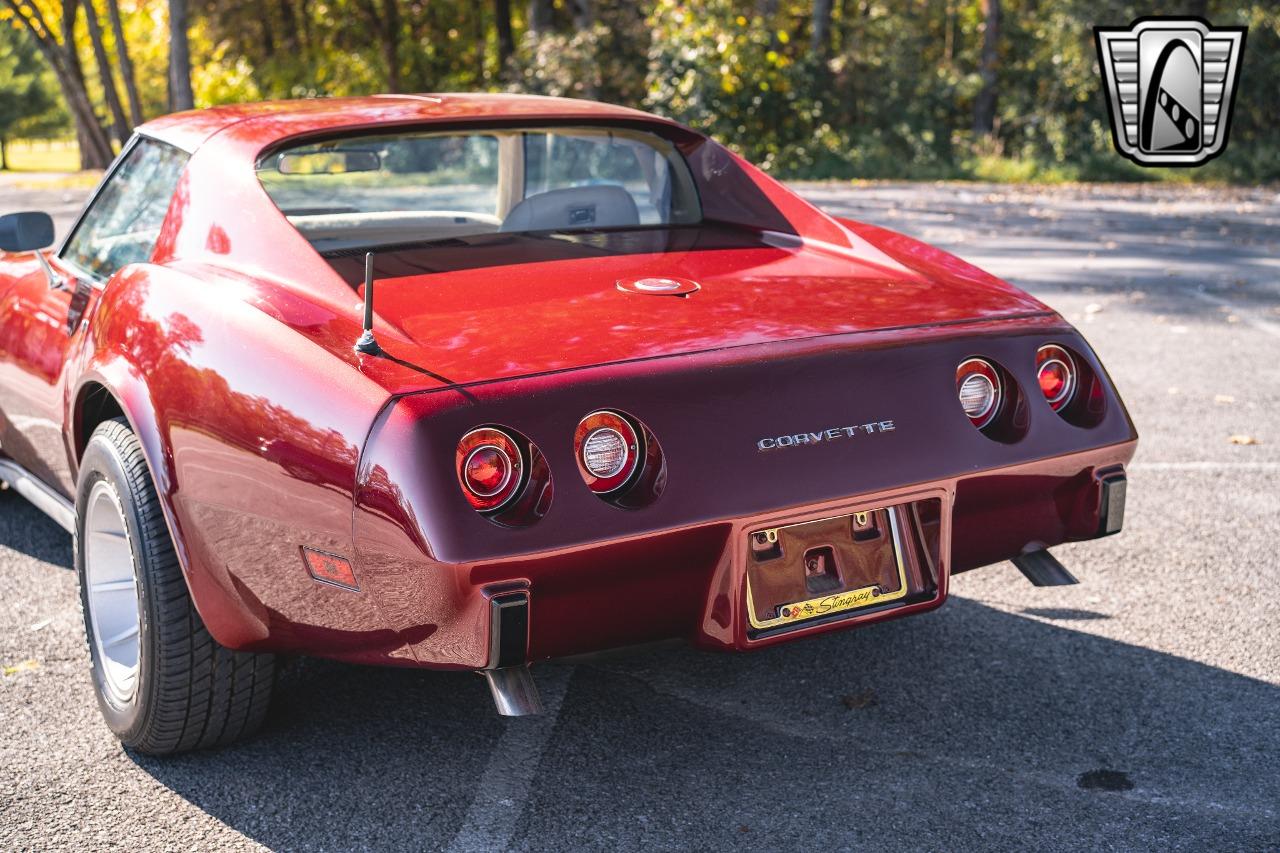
x=103 y=462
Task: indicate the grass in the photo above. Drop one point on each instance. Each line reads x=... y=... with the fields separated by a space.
x=56 y=161
x=43 y=155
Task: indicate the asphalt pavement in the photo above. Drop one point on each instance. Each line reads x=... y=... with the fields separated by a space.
x=1139 y=710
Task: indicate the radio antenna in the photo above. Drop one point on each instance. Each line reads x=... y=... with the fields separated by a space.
x=367 y=343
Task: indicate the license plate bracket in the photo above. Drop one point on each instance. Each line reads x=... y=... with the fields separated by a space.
x=815 y=569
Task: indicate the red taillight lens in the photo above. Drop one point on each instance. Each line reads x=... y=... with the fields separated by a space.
x=608 y=450
x=1056 y=373
x=490 y=468
x=978 y=387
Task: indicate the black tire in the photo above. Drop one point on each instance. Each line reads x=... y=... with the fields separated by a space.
x=190 y=692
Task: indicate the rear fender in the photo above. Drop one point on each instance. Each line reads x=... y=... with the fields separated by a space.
x=251 y=431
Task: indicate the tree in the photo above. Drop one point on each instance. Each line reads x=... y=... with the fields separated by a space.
x=820 y=33
x=539 y=16
x=385 y=22
x=119 y=124
x=180 y=95
x=506 y=38
x=24 y=97
x=61 y=55
x=984 y=106
x=126 y=64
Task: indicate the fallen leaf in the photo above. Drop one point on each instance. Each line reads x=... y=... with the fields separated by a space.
x=1243 y=439
x=43 y=623
x=1223 y=399
x=1093 y=308
x=24 y=666
x=858 y=701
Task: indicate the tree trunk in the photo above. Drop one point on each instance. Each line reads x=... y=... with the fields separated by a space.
x=4 y=155
x=584 y=16
x=506 y=38
x=820 y=34
x=119 y=124
x=949 y=34
x=480 y=33
x=391 y=44
x=180 y=95
x=539 y=16
x=984 y=108
x=126 y=64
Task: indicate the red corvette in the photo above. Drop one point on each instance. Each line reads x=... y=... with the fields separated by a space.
x=470 y=382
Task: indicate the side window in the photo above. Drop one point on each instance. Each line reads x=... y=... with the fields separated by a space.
x=122 y=224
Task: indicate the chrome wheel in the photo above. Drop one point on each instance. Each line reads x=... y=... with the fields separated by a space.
x=112 y=586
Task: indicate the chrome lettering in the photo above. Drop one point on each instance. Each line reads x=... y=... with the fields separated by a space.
x=824 y=435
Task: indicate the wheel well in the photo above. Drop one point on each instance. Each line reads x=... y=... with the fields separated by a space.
x=97 y=404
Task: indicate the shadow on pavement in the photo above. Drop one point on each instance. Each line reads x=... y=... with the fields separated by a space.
x=905 y=735
x=31 y=532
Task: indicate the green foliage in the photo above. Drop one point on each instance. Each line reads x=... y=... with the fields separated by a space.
x=891 y=94
x=606 y=60
x=896 y=95
x=29 y=106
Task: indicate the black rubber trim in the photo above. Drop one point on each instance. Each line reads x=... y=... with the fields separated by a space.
x=1111 y=507
x=510 y=624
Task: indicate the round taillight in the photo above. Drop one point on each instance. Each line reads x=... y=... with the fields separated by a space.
x=490 y=468
x=1056 y=373
x=978 y=386
x=608 y=451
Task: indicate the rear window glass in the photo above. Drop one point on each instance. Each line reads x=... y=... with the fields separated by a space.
x=368 y=192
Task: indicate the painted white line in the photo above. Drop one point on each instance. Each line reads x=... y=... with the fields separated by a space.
x=1204 y=466
x=503 y=789
x=1246 y=316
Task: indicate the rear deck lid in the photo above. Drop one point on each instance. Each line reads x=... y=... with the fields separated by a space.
x=503 y=305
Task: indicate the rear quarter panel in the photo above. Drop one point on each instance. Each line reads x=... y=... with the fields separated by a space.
x=252 y=432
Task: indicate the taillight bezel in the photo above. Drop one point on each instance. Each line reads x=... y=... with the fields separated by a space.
x=506 y=444
x=977 y=366
x=1057 y=354
x=631 y=435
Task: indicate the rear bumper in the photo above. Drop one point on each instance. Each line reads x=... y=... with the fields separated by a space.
x=689 y=582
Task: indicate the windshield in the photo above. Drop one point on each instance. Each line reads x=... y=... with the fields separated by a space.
x=366 y=192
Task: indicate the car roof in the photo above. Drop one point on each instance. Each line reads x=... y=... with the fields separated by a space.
x=270 y=121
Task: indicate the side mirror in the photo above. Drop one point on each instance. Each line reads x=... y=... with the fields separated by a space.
x=26 y=231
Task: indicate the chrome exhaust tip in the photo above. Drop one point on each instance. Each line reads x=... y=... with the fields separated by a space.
x=514 y=693
x=1043 y=569
x=510 y=682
